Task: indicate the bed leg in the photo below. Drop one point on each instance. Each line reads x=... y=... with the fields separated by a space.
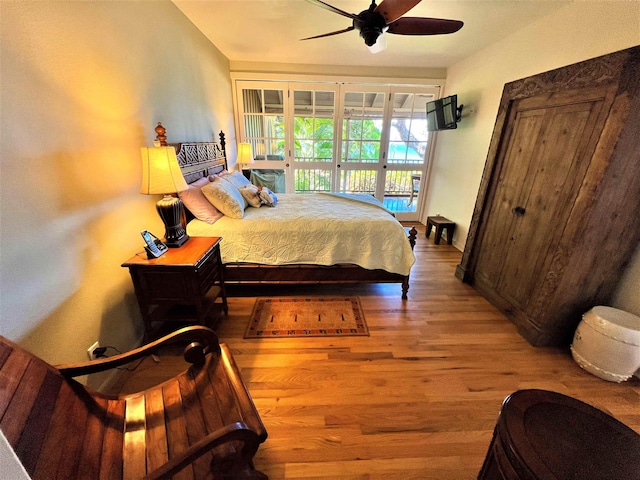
x=405 y=287
x=412 y=234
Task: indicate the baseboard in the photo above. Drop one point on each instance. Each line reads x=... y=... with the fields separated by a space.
x=114 y=375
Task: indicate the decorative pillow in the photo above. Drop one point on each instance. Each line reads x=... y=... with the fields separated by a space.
x=195 y=201
x=251 y=194
x=225 y=197
x=237 y=179
x=268 y=197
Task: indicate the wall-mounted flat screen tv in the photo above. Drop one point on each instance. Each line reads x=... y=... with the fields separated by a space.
x=443 y=114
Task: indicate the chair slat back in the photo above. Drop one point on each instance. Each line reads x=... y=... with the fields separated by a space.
x=55 y=426
x=60 y=429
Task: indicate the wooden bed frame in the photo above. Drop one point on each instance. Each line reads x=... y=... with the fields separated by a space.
x=200 y=159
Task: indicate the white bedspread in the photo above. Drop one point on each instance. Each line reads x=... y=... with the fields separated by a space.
x=316 y=229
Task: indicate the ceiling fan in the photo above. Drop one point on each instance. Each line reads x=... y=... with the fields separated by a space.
x=388 y=17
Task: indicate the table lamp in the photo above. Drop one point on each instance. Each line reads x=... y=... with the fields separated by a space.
x=245 y=155
x=161 y=175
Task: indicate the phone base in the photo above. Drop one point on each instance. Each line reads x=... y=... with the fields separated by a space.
x=151 y=256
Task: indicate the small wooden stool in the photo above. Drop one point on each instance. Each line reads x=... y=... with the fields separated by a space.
x=440 y=223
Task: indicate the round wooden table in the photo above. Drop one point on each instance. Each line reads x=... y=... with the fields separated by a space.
x=547 y=435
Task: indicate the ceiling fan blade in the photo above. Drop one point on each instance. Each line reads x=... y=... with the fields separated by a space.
x=424 y=26
x=392 y=10
x=348 y=29
x=333 y=9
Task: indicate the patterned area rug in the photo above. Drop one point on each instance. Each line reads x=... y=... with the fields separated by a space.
x=306 y=317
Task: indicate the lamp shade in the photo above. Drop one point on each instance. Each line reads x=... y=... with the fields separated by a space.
x=160 y=171
x=245 y=154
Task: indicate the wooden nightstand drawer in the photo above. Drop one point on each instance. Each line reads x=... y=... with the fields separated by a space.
x=209 y=270
x=159 y=286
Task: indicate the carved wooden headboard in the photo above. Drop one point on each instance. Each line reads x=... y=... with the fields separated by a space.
x=200 y=159
x=197 y=159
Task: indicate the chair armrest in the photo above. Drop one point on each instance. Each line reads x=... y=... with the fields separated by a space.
x=235 y=431
x=203 y=340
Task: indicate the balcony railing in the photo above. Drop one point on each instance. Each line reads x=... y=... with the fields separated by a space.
x=398 y=192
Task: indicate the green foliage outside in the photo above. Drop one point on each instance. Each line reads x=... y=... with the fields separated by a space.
x=313 y=142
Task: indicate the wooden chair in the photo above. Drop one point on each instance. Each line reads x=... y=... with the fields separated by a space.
x=415 y=187
x=201 y=424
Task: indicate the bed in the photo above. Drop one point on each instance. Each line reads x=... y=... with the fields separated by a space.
x=343 y=238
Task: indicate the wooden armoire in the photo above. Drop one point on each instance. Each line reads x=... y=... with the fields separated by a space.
x=557 y=217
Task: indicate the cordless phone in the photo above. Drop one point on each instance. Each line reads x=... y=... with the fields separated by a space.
x=154 y=247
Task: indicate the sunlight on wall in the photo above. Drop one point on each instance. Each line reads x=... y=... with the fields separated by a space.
x=84 y=84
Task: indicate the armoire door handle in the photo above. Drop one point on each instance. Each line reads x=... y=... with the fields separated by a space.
x=519 y=211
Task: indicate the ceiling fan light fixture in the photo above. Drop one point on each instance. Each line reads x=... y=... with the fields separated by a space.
x=370 y=36
x=380 y=45
x=370 y=24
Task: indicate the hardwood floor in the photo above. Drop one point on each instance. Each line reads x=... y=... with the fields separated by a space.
x=417 y=399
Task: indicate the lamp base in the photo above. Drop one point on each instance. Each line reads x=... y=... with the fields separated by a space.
x=171 y=211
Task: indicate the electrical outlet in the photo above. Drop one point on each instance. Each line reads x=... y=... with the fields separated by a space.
x=92 y=349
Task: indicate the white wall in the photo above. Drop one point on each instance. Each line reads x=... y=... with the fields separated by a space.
x=580 y=31
x=83 y=86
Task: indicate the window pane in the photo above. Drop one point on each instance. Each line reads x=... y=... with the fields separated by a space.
x=273 y=102
x=304 y=150
x=353 y=151
x=370 y=151
x=302 y=102
x=353 y=129
x=269 y=149
x=325 y=104
x=253 y=126
x=303 y=127
x=323 y=151
x=274 y=126
x=323 y=128
x=372 y=129
x=252 y=100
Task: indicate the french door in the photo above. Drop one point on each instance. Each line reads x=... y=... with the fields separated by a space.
x=360 y=159
x=314 y=138
x=340 y=137
x=407 y=150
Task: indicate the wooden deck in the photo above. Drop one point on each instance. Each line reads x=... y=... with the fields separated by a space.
x=418 y=399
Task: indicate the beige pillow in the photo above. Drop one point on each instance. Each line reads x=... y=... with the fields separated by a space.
x=225 y=197
x=195 y=201
x=251 y=194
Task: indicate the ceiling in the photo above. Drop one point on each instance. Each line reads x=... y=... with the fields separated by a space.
x=270 y=30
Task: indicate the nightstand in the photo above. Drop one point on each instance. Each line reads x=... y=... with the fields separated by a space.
x=184 y=284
